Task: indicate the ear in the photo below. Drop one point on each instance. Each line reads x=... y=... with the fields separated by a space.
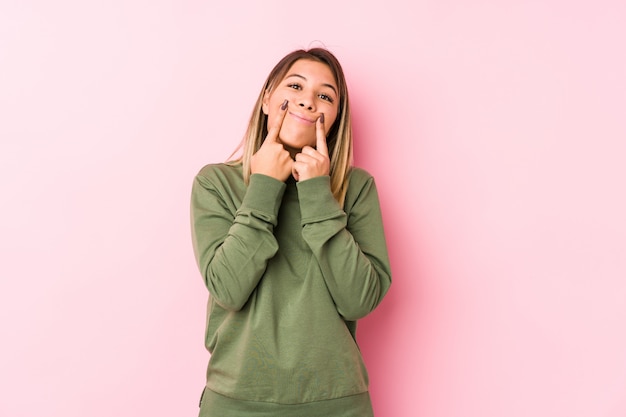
x=266 y=101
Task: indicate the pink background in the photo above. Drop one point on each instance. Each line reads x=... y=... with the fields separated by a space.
x=496 y=132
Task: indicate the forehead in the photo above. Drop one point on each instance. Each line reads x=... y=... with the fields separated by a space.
x=313 y=71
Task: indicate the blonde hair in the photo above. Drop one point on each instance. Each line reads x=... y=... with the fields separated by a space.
x=339 y=137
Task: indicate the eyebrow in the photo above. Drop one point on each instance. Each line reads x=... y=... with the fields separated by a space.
x=332 y=87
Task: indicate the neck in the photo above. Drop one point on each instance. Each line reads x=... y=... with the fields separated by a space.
x=292 y=151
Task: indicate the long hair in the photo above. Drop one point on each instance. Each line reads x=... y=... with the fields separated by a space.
x=339 y=138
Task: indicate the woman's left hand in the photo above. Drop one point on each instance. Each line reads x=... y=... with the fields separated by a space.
x=313 y=162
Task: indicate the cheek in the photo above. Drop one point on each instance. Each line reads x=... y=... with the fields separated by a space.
x=273 y=103
x=330 y=123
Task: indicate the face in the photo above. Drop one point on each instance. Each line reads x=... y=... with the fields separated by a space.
x=311 y=90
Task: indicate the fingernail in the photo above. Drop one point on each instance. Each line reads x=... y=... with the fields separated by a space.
x=284 y=105
x=322 y=117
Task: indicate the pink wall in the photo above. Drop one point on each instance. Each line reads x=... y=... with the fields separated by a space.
x=496 y=133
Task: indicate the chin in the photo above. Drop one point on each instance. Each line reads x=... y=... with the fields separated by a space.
x=297 y=141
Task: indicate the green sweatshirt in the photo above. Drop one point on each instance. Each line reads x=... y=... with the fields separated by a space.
x=288 y=272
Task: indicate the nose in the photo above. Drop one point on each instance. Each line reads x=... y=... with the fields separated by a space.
x=306 y=101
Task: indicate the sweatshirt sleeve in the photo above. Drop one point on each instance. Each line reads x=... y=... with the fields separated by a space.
x=350 y=248
x=232 y=245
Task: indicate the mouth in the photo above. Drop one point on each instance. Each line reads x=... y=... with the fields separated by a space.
x=302 y=118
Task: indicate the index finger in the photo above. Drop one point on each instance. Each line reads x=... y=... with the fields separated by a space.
x=272 y=134
x=321 y=145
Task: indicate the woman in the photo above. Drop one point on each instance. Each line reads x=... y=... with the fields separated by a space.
x=290 y=243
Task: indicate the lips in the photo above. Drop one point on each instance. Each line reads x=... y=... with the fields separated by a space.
x=302 y=118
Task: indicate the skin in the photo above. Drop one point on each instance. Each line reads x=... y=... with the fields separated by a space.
x=296 y=141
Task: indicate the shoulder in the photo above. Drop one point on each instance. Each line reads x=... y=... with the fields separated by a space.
x=220 y=169
x=220 y=173
x=358 y=178
x=360 y=184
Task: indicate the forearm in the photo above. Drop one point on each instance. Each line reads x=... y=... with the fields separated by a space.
x=350 y=250
x=233 y=246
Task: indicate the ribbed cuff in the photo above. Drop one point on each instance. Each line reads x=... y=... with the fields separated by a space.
x=264 y=195
x=316 y=200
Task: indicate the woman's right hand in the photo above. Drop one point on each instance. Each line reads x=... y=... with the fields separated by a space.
x=272 y=159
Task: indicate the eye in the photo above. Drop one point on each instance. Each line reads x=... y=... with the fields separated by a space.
x=295 y=86
x=326 y=97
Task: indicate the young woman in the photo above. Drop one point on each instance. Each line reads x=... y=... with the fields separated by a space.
x=290 y=243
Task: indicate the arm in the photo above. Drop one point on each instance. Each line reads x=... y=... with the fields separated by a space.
x=233 y=244
x=350 y=248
